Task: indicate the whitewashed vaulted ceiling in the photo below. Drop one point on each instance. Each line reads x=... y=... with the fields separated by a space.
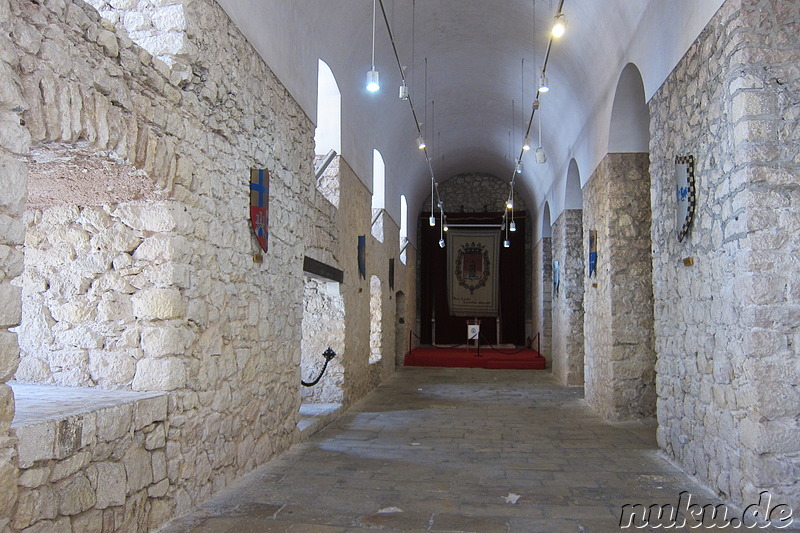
x=474 y=51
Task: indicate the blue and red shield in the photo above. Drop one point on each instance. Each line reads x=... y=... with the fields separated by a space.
x=259 y=205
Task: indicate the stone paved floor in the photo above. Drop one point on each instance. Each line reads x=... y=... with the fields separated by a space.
x=454 y=450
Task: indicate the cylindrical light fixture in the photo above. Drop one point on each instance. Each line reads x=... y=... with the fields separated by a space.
x=544 y=86
x=420 y=142
x=404 y=91
x=512 y=226
x=526 y=144
x=559 y=26
x=432 y=220
x=541 y=157
x=373 y=81
x=520 y=167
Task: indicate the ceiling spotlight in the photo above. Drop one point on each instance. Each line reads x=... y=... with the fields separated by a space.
x=512 y=226
x=509 y=204
x=536 y=104
x=420 y=143
x=544 y=86
x=519 y=168
x=404 y=91
x=432 y=220
x=541 y=157
x=441 y=243
x=526 y=144
x=373 y=81
x=506 y=243
x=446 y=227
x=559 y=26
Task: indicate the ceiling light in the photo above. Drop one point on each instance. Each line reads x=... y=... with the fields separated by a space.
x=420 y=143
x=519 y=168
x=559 y=26
x=510 y=204
x=506 y=243
x=544 y=86
x=541 y=157
x=446 y=227
x=441 y=243
x=526 y=144
x=512 y=226
x=373 y=82
x=432 y=220
x=404 y=91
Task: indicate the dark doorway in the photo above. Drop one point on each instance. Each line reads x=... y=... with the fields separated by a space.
x=451 y=329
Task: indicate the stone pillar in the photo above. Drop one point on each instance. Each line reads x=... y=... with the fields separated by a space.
x=14 y=140
x=618 y=303
x=543 y=291
x=567 y=309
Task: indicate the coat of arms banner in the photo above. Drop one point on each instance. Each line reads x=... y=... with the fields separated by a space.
x=472 y=272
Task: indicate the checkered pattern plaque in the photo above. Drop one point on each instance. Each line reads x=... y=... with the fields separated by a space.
x=685 y=193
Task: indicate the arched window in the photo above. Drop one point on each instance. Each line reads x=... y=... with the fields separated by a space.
x=378 y=194
x=403 y=228
x=328 y=135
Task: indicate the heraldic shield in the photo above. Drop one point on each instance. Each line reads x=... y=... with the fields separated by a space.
x=685 y=193
x=259 y=205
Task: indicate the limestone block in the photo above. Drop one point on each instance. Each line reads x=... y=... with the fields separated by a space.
x=69 y=367
x=115 y=307
x=138 y=469
x=110 y=483
x=150 y=410
x=79 y=337
x=156 y=439
x=108 y=41
x=162 y=217
x=114 y=422
x=32 y=370
x=13 y=193
x=159 y=490
x=89 y=522
x=168 y=275
x=12 y=230
x=35 y=505
x=10 y=305
x=161 y=248
x=159 y=374
x=111 y=368
x=76 y=495
x=158 y=304
x=8 y=478
x=70 y=465
x=159 y=465
x=36 y=442
x=72 y=311
x=118 y=237
x=34 y=477
x=9 y=355
x=169 y=18
x=60 y=525
x=13 y=136
x=166 y=340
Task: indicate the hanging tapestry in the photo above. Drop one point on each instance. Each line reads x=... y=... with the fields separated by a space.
x=259 y=205
x=472 y=274
x=362 y=256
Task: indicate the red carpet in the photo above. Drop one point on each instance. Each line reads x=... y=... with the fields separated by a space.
x=468 y=358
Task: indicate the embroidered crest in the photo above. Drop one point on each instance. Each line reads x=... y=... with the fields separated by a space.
x=472 y=266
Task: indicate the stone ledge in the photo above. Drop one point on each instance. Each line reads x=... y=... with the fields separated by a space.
x=55 y=422
x=315 y=416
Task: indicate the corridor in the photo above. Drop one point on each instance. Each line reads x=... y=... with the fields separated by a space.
x=454 y=450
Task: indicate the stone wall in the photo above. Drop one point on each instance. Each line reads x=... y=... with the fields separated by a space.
x=567 y=310
x=102 y=467
x=14 y=141
x=618 y=300
x=543 y=296
x=727 y=328
x=165 y=270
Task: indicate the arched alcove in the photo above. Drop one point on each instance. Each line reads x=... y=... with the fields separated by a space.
x=630 y=118
x=573 y=196
x=546 y=223
x=403 y=228
x=376 y=320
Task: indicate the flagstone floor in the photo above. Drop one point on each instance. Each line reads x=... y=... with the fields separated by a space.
x=455 y=450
